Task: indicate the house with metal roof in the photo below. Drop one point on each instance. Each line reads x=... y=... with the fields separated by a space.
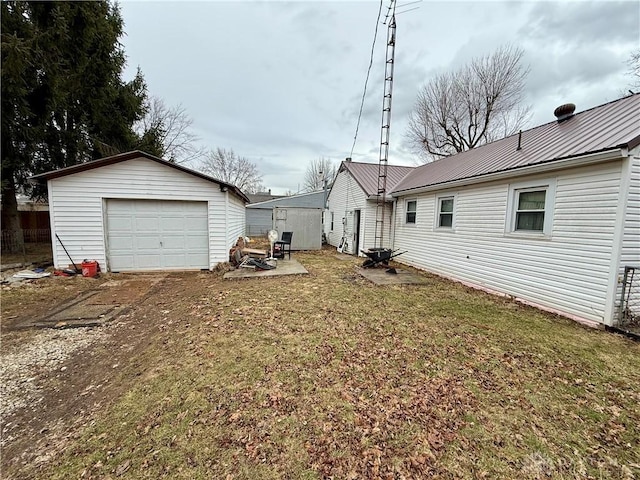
x=350 y=219
x=549 y=216
x=137 y=212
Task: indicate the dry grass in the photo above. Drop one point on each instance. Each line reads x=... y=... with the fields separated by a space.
x=329 y=376
x=33 y=253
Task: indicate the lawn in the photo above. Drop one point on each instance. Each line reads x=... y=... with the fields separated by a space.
x=329 y=376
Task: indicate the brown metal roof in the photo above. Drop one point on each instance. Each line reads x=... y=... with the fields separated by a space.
x=606 y=127
x=121 y=157
x=366 y=175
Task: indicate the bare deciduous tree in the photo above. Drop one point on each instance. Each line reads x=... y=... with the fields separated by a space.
x=166 y=132
x=317 y=171
x=634 y=68
x=474 y=105
x=225 y=165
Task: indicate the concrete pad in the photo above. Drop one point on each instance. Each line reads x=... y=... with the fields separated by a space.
x=98 y=306
x=379 y=276
x=284 y=267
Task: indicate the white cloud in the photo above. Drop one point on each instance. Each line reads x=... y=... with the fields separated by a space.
x=281 y=83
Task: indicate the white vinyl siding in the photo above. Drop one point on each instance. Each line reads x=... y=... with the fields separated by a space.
x=345 y=197
x=236 y=219
x=630 y=254
x=77 y=205
x=567 y=272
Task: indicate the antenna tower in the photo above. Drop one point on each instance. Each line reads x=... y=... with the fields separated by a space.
x=384 y=134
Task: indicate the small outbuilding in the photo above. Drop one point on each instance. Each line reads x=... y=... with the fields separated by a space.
x=137 y=212
x=260 y=217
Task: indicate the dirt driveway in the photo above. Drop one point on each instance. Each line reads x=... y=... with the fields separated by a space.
x=55 y=378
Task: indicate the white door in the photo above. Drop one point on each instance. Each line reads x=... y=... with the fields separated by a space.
x=157 y=235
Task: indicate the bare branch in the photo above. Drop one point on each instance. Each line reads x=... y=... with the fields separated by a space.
x=316 y=172
x=225 y=165
x=167 y=132
x=479 y=103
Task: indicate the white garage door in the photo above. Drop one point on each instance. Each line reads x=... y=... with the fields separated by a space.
x=157 y=235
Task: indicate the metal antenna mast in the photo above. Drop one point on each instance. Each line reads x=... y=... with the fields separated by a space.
x=384 y=134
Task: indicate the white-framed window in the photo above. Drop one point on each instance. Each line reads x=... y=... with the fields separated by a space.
x=530 y=208
x=411 y=209
x=446 y=204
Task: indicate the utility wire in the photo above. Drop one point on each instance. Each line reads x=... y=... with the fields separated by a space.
x=366 y=81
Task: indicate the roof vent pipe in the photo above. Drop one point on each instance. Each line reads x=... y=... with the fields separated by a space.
x=519 y=140
x=564 y=112
x=348 y=159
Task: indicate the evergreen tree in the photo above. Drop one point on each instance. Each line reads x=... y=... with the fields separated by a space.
x=63 y=99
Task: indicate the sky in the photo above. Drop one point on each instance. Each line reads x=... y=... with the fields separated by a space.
x=281 y=82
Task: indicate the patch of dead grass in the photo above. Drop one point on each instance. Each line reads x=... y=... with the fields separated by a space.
x=330 y=376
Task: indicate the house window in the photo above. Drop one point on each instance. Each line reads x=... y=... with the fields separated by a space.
x=530 y=208
x=412 y=206
x=332 y=221
x=445 y=212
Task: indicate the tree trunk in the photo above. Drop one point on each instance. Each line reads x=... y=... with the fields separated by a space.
x=13 y=242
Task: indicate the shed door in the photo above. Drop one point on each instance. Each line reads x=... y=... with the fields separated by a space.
x=157 y=235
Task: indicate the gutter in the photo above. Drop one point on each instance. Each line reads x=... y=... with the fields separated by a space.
x=590 y=159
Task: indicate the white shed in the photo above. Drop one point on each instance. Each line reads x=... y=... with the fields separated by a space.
x=137 y=212
x=352 y=202
x=550 y=217
x=304 y=222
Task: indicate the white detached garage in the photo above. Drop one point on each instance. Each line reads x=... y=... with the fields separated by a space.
x=137 y=212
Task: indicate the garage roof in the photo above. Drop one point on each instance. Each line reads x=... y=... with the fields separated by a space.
x=606 y=127
x=122 y=157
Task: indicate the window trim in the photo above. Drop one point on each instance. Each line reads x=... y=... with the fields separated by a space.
x=407 y=212
x=439 y=198
x=549 y=186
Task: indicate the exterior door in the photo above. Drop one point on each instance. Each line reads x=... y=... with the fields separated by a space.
x=356 y=232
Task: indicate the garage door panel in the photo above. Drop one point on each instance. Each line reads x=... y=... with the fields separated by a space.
x=172 y=224
x=147 y=261
x=175 y=242
x=195 y=260
x=146 y=243
x=143 y=207
x=196 y=223
x=145 y=224
x=155 y=235
x=176 y=207
x=119 y=223
x=175 y=261
x=118 y=243
x=194 y=242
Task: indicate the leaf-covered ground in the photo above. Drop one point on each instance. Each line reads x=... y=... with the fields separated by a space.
x=330 y=376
